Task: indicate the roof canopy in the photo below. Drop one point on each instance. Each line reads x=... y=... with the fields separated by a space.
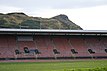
x=51 y=31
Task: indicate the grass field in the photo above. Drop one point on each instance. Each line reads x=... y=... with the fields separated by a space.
x=54 y=66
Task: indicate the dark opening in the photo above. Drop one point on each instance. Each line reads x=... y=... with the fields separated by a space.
x=17 y=51
x=91 y=51
x=73 y=51
x=55 y=51
x=106 y=50
x=26 y=50
x=37 y=51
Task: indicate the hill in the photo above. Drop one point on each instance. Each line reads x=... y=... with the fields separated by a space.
x=21 y=20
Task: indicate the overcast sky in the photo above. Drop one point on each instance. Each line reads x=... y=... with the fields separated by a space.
x=89 y=14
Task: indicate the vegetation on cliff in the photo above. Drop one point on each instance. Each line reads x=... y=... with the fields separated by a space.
x=21 y=20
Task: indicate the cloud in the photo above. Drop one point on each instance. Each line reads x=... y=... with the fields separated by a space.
x=68 y=4
x=8 y=9
x=93 y=18
x=54 y=4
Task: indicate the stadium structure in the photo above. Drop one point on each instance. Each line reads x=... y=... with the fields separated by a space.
x=20 y=44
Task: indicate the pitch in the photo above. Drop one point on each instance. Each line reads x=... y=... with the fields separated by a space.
x=53 y=66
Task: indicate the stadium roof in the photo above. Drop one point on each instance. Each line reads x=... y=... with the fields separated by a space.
x=52 y=31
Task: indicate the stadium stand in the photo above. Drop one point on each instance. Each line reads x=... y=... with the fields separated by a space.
x=46 y=44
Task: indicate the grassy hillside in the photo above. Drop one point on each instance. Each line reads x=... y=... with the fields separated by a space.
x=21 y=20
x=88 y=65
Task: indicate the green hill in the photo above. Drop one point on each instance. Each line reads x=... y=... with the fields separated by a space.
x=21 y=20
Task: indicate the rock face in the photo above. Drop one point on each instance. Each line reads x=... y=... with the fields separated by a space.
x=21 y=20
x=66 y=22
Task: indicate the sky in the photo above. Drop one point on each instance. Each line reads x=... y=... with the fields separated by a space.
x=89 y=14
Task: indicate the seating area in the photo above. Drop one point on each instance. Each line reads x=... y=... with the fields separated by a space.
x=61 y=44
x=7 y=47
x=53 y=47
x=96 y=47
x=43 y=45
x=78 y=45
